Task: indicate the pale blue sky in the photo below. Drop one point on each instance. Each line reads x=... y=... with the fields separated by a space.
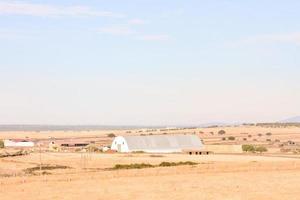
x=149 y=62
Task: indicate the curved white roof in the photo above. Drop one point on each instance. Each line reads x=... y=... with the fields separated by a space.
x=163 y=142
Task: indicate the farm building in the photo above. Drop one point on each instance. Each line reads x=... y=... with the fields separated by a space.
x=18 y=143
x=156 y=143
x=68 y=143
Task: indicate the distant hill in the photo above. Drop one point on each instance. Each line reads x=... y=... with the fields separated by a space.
x=291 y=120
x=66 y=127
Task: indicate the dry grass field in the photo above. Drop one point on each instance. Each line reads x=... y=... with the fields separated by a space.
x=235 y=176
x=215 y=177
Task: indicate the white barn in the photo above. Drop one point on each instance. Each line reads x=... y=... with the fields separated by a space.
x=18 y=143
x=157 y=143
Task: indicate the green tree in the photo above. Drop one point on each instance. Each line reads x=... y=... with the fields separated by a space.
x=111 y=135
x=261 y=149
x=221 y=132
x=231 y=138
x=248 y=148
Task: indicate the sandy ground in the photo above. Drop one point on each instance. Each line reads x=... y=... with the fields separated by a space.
x=272 y=175
x=238 y=185
x=216 y=177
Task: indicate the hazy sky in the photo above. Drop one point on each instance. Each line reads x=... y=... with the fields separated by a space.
x=149 y=62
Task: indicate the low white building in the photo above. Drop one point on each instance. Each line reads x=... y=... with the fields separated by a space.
x=157 y=143
x=18 y=143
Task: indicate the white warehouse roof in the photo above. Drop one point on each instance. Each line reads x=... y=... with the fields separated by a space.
x=157 y=143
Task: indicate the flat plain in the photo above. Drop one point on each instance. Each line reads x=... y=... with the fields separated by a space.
x=234 y=176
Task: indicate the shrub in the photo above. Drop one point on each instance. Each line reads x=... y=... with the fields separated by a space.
x=111 y=135
x=145 y=165
x=212 y=133
x=138 y=152
x=249 y=136
x=268 y=140
x=133 y=166
x=223 y=138
x=231 y=138
x=156 y=156
x=277 y=140
x=92 y=148
x=248 y=148
x=44 y=167
x=259 y=134
x=1 y=144
x=245 y=139
x=169 y=164
x=261 y=149
x=268 y=134
x=221 y=132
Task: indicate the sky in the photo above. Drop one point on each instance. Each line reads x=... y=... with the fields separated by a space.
x=149 y=62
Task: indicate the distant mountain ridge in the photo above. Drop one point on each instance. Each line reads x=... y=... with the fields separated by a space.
x=295 y=119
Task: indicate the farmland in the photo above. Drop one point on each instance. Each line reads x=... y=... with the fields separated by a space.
x=80 y=174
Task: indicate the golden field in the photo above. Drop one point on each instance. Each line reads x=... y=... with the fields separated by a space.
x=232 y=176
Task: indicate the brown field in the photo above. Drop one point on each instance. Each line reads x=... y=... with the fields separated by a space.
x=237 y=176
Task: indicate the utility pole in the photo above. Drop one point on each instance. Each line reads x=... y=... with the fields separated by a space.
x=40 y=159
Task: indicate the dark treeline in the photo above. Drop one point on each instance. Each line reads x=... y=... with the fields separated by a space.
x=278 y=125
x=65 y=127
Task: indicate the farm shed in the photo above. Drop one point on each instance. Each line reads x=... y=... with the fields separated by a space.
x=18 y=143
x=156 y=143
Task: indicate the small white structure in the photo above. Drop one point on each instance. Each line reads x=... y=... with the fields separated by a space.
x=157 y=143
x=105 y=149
x=18 y=143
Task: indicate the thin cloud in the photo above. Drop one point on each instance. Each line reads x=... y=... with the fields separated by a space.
x=154 y=37
x=42 y=10
x=136 y=22
x=116 y=30
x=289 y=38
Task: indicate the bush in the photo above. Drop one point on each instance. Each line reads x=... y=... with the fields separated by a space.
x=251 y=148
x=259 y=134
x=44 y=167
x=268 y=140
x=223 y=138
x=245 y=139
x=268 y=134
x=1 y=144
x=221 y=132
x=145 y=165
x=231 y=138
x=133 y=166
x=169 y=164
x=261 y=149
x=249 y=136
x=248 y=148
x=111 y=135
x=92 y=148
x=138 y=152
